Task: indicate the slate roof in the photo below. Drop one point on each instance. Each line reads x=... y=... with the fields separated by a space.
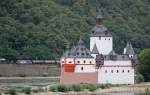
x=95 y=50
x=100 y=30
x=79 y=51
x=112 y=53
x=117 y=57
x=129 y=49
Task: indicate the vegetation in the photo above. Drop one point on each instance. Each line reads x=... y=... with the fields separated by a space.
x=27 y=90
x=147 y=92
x=77 y=87
x=144 y=66
x=41 y=29
x=12 y=91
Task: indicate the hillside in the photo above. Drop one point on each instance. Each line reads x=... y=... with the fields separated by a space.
x=41 y=29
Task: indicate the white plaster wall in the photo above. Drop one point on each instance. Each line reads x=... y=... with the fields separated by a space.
x=104 y=44
x=117 y=62
x=87 y=60
x=67 y=60
x=105 y=74
x=86 y=68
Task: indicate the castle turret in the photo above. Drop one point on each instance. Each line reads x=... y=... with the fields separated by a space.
x=129 y=50
x=94 y=52
x=101 y=37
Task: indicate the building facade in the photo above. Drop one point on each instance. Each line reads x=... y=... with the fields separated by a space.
x=100 y=64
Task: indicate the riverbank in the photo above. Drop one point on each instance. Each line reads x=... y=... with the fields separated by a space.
x=113 y=90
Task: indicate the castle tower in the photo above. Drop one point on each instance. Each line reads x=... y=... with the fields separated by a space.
x=101 y=37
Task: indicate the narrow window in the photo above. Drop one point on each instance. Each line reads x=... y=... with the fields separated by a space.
x=82 y=68
x=78 y=61
x=112 y=71
x=105 y=71
x=90 y=62
x=128 y=71
x=84 y=61
x=122 y=71
x=105 y=38
x=117 y=71
x=82 y=53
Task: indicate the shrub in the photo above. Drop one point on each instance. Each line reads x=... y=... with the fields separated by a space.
x=12 y=91
x=53 y=88
x=35 y=90
x=62 y=88
x=20 y=90
x=92 y=87
x=139 y=78
x=27 y=90
x=6 y=91
x=103 y=86
x=77 y=87
x=147 y=92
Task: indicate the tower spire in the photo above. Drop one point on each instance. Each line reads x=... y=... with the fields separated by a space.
x=99 y=18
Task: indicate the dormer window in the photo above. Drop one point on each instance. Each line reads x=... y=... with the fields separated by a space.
x=106 y=32
x=92 y=32
x=82 y=53
x=99 y=37
x=68 y=54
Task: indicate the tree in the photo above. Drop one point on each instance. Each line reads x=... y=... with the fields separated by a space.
x=144 y=66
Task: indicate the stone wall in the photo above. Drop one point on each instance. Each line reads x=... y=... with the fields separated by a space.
x=71 y=77
x=9 y=70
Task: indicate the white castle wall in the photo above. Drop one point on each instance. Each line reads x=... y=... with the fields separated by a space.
x=116 y=72
x=83 y=65
x=86 y=68
x=104 y=44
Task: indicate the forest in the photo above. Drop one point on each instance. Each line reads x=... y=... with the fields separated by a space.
x=41 y=29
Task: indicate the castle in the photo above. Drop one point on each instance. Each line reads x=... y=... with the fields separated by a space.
x=100 y=64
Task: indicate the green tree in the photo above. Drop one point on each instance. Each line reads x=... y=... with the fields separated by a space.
x=144 y=66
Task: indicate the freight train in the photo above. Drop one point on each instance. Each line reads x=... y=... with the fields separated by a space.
x=37 y=61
